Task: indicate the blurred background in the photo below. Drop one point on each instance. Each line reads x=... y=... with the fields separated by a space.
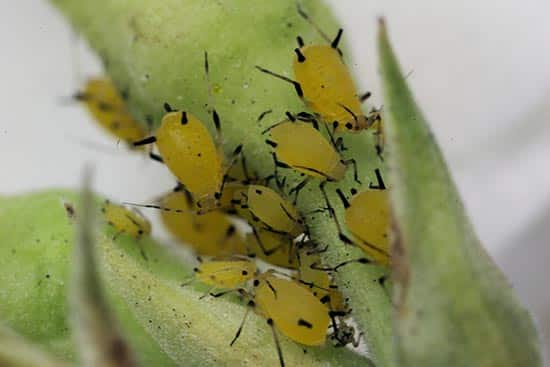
x=479 y=69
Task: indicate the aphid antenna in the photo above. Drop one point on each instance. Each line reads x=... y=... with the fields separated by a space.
x=361 y=260
x=306 y=17
x=309 y=284
x=159 y=207
x=211 y=103
x=296 y=85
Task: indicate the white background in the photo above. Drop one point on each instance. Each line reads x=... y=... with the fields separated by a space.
x=480 y=70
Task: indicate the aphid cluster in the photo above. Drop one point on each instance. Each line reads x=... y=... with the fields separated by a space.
x=216 y=192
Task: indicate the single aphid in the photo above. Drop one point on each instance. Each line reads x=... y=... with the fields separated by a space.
x=226 y=273
x=192 y=155
x=367 y=216
x=270 y=211
x=302 y=147
x=108 y=108
x=124 y=220
x=324 y=83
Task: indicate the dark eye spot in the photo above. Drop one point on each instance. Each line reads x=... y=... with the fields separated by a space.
x=302 y=322
x=244 y=272
x=349 y=126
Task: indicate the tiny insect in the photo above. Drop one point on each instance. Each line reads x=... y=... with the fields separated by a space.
x=289 y=308
x=324 y=83
x=317 y=158
x=273 y=248
x=270 y=211
x=210 y=234
x=226 y=273
x=124 y=220
x=108 y=108
x=192 y=155
x=367 y=217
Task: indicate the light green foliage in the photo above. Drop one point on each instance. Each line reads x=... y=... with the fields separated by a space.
x=453 y=305
x=166 y=325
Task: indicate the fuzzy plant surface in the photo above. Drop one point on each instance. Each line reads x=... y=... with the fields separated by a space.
x=452 y=305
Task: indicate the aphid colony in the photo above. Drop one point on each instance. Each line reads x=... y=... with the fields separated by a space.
x=214 y=191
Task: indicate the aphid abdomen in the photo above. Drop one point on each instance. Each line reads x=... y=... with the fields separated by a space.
x=303 y=148
x=295 y=311
x=368 y=219
x=190 y=153
x=327 y=85
x=274 y=211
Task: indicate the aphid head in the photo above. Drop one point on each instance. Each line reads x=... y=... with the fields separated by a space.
x=208 y=203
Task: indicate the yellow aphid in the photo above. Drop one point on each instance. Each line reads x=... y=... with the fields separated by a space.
x=273 y=248
x=328 y=88
x=324 y=83
x=293 y=309
x=367 y=217
x=192 y=155
x=272 y=211
x=106 y=105
x=226 y=273
x=188 y=150
x=210 y=234
x=300 y=146
x=126 y=221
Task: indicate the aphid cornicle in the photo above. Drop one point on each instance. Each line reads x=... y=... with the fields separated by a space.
x=325 y=84
x=210 y=234
x=107 y=106
x=126 y=221
x=192 y=155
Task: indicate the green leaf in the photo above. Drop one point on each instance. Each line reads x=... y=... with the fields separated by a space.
x=453 y=305
x=15 y=351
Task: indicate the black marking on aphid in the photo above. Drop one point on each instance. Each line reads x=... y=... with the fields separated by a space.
x=244 y=272
x=184 y=119
x=305 y=323
x=300 y=55
x=167 y=107
x=353 y=191
x=271 y=287
x=334 y=43
x=300 y=41
x=256 y=282
x=271 y=143
x=259 y=192
x=148 y=140
x=104 y=106
x=325 y=299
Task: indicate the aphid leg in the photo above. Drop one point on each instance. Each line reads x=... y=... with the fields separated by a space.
x=341 y=234
x=207 y=293
x=364 y=96
x=277 y=345
x=296 y=189
x=250 y=305
x=380 y=182
x=278 y=164
x=146 y=141
x=361 y=260
x=296 y=85
x=336 y=41
x=261 y=244
x=353 y=163
x=156 y=157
